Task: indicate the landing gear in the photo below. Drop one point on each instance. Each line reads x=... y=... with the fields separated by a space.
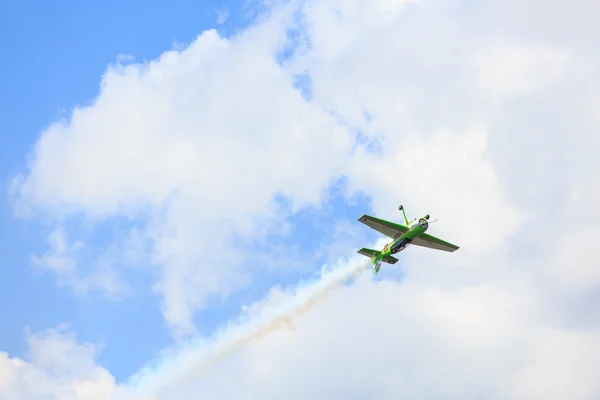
x=401 y=208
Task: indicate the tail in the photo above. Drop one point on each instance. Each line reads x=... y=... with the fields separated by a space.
x=374 y=254
x=369 y=252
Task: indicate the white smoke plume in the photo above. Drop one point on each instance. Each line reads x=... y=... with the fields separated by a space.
x=189 y=361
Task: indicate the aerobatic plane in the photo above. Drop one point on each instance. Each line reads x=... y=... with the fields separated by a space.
x=402 y=235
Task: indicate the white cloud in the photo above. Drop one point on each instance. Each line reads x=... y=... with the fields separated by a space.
x=204 y=146
x=446 y=176
x=57 y=367
x=502 y=69
x=572 y=261
x=488 y=131
x=382 y=339
x=222 y=16
x=560 y=371
x=63 y=257
x=391 y=340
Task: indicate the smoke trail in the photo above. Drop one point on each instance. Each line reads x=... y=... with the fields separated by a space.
x=195 y=358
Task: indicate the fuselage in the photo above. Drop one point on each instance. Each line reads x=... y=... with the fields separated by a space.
x=416 y=228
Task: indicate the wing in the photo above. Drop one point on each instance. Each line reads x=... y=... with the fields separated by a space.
x=389 y=229
x=425 y=240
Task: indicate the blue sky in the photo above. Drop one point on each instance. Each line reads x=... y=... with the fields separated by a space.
x=58 y=52
x=194 y=166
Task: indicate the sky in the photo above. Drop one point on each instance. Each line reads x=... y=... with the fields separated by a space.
x=182 y=185
x=59 y=54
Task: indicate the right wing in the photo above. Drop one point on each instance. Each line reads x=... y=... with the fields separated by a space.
x=425 y=240
x=388 y=228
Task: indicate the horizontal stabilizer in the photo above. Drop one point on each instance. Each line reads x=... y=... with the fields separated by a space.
x=369 y=252
x=374 y=253
x=390 y=260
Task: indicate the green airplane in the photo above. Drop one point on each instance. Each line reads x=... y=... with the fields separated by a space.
x=403 y=235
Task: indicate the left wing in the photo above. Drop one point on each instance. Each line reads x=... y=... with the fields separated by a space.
x=388 y=228
x=425 y=240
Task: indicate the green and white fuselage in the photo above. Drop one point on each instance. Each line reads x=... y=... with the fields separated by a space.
x=402 y=236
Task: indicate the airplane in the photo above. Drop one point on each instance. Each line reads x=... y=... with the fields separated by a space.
x=403 y=235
